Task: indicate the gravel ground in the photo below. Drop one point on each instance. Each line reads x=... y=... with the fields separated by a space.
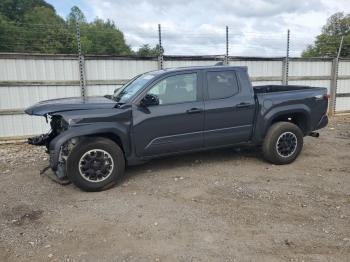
x=225 y=205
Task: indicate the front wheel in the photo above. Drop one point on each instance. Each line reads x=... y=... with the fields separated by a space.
x=283 y=143
x=95 y=164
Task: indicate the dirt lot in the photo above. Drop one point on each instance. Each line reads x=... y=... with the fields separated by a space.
x=226 y=205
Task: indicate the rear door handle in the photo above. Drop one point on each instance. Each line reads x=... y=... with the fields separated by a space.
x=194 y=110
x=243 y=105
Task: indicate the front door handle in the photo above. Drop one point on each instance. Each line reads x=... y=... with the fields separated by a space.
x=243 y=105
x=194 y=110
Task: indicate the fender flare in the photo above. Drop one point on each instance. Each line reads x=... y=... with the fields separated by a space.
x=267 y=119
x=83 y=130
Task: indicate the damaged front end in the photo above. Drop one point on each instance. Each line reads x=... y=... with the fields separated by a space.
x=58 y=125
x=42 y=140
x=68 y=121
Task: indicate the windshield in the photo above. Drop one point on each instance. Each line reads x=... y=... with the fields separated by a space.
x=126 y=92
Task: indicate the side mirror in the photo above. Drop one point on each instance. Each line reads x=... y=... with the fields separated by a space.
x=150 y=100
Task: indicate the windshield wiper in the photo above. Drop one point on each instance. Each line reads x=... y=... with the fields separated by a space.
x=119 y=104
x=108 y=96
x=114 y=99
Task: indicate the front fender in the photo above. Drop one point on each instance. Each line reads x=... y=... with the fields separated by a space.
x=87 y=129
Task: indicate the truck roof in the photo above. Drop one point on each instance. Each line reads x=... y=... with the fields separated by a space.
x=167 y=70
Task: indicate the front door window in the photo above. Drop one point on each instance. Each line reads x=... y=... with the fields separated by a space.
x=176 y=89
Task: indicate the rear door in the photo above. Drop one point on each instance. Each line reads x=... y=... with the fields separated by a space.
x=176 y=124
x=229 y=108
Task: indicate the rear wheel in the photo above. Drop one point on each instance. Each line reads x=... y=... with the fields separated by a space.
x=283 y=143
x=95 y=164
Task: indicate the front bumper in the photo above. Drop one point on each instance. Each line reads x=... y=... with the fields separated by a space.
x=45 y=140
x=42 y=140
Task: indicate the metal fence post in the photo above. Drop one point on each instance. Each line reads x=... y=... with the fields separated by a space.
x=160 y=54
x=226 y=55
x=333 y=87
x=81 y=63
x=334 y=80
x=283 y=61
x=285 y=70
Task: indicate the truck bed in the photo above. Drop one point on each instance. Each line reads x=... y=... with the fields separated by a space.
x=294 y=100
x=280 y=88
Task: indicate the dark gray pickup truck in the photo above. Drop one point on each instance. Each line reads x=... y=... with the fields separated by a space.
x=175 y=111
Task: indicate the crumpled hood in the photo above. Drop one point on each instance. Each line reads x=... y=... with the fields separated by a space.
x=69 y=104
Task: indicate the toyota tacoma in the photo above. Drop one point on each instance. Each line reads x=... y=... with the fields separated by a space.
x=175 y=111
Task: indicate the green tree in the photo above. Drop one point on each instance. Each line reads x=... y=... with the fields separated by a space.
x=8 y=33
x=45 y=32
x=34 y=26
x=99 y=36
x=14 y=10
x=327 y=43
x=102 y=37
x=146 y=50
x=76 y=15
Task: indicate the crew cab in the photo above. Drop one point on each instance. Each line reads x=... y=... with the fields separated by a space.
x=176 y=111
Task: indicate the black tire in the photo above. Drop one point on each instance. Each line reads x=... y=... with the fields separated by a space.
x=114 y=156
x=279 y=147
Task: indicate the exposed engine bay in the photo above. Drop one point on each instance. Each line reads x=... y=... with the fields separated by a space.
x=58 y=125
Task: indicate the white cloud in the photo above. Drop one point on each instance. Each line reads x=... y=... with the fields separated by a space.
x=257 y=27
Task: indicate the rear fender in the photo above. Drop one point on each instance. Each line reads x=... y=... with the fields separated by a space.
x=264 y=122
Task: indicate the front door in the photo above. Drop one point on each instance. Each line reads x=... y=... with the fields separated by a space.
x=176 y=124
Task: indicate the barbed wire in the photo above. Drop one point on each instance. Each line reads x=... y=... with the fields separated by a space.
x=63 y=35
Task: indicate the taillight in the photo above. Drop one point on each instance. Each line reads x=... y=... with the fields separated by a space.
x=326 y=97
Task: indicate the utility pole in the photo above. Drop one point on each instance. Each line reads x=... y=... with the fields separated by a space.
x=226 y=56
x=81 y=63
x=160 y=55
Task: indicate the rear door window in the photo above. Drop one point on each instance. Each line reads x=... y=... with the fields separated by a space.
x=222 y=84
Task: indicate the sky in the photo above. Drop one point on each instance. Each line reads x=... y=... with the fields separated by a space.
x=197 y=27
